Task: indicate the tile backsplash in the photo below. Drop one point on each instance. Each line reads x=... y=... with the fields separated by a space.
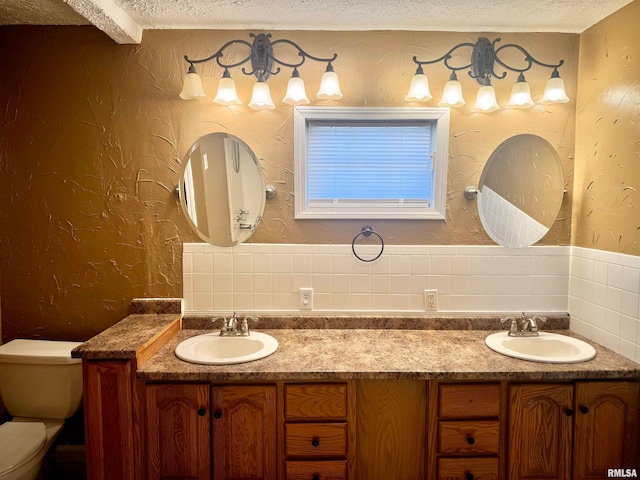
x=604 y=299
x=268 y=277
x=601 y=290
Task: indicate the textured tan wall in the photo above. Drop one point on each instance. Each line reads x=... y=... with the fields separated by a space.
x=606 y=212
x=93 y=134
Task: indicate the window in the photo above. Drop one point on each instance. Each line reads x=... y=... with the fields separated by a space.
x=378 y=163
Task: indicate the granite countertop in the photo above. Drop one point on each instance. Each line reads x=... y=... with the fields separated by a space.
x=343 y=354
x=318 y=347
x=125 y=339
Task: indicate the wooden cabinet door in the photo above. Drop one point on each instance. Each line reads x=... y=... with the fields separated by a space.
x=540 y=430
x=605 y=428
x=244 y=432
x=178 y=431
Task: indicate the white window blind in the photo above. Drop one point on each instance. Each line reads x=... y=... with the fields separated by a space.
x=387 y=162
x=353 y=162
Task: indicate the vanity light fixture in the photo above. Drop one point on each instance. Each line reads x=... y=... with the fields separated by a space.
x=484 y=56
x=263 y=64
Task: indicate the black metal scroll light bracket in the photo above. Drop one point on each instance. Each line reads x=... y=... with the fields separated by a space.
x=484 y=56
x=261 y=57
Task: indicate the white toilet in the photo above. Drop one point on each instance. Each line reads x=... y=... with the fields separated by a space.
x=40 y=386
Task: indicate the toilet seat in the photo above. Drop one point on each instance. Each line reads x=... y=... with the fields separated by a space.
x=19 y=443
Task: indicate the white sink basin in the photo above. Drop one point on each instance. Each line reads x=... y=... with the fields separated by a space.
x=212 y=349
x=548 y=347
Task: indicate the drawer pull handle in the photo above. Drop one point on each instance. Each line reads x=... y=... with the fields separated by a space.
x=217 y=414
x=584 y=409
x=568 y=412
x=315 y=477
x=201 y=412
x=315 y=442
x=471 y=440
x=469 y=476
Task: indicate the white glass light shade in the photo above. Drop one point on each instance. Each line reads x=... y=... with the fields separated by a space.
x=227 y=94
x=554 y=92
x=520 y=96
x=191 y=87
x=486 y=100
x=296 y=94
x=261 y=97
x=452 y=95
x=329 y=87
x=419 y=89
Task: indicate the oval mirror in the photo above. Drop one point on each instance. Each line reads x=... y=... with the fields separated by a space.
x=222 y=190
x=521 y=191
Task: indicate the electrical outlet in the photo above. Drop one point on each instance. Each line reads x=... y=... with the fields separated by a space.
x=431 y=300
x=305 y=299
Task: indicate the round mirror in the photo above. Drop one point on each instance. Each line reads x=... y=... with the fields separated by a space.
x=520 y=191
x=222 y=189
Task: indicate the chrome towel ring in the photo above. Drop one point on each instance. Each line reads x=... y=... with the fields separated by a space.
x=367 y=231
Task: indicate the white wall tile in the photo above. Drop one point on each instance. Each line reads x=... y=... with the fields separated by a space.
x=631 y=279
x=604 y=299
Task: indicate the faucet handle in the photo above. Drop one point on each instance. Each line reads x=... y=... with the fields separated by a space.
x=513 y=327
x=534 y=322
x=224 y=323
x=245 y=324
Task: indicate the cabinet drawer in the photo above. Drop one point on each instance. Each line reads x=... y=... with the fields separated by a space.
x=466 y=400
x=480 y=437
x=319 y=470
x=463 y=468
x=315 y=439
x=315 y=401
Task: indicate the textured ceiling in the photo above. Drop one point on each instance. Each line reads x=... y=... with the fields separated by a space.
x=125 y=20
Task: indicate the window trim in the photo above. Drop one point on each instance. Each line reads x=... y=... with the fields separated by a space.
x=441 y=115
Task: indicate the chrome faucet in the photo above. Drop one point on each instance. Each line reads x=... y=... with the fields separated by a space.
x=230 y=326
x=523 y=326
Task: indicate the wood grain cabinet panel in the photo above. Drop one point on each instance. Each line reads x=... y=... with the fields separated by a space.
x=178 y=431
x=244 y=432
x=605 y=428
x=468 y=468
x=315 y=439
x=540 y=425
x=310 y=470
x=315 y=401
x=467 y=400
x=108 y=416
x=392 y=423
x=479 y=437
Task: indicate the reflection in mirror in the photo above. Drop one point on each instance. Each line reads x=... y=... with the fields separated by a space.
x=521 y=191
x=222 y=189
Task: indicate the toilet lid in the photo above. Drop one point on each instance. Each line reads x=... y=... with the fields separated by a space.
x=19 y=441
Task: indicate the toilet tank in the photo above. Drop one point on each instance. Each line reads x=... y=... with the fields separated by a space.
x=39 y=379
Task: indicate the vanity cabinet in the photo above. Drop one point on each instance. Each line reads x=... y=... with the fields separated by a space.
x=563 y=431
